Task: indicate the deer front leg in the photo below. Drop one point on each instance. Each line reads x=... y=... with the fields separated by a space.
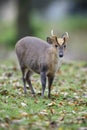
x=50 y=81
x=43 y=81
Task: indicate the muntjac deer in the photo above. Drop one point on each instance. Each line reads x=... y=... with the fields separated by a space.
x=41 y=57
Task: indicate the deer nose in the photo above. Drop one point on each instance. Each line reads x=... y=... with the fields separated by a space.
x=60 y=54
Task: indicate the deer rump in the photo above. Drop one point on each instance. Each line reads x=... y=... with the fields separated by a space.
x=31 y=53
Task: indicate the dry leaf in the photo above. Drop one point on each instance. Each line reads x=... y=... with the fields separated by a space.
x=52 y=111
x=23 y=104
x=51 y=104
x=75 y=108
x=44 y=112
x=24 y=114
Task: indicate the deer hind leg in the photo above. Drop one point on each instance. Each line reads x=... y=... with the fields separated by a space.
x=29 y=81
x=23 y=78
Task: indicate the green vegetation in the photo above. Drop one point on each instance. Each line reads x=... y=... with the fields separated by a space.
x=7 y=34
x=8 y=31
x=66 y=110
x=76 y=23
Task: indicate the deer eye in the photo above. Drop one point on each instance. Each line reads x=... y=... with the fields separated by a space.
x=64 y=46
x=56 y=46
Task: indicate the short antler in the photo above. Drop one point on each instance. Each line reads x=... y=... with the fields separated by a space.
x=67 y=34
x=52 y=32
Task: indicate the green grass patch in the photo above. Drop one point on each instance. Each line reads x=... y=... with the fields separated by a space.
x=66 y=110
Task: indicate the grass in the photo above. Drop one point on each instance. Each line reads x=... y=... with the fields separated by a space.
x=66 y=110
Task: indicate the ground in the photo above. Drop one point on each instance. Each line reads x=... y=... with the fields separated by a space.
x=66 y=110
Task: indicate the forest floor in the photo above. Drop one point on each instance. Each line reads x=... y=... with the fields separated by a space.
x=66 y=110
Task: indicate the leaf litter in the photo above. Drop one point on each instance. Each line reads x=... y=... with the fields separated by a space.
x=67 y=107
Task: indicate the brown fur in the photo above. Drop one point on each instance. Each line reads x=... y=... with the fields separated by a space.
x=31 y=48
x=52 y=58
x=36 y=55
x=60 y=41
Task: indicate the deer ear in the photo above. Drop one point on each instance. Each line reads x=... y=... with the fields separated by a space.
x=65 y=36
x=49 y=40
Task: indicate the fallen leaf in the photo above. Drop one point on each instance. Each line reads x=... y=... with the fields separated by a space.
x=44 y=112
x=52 y=111
x=24 y=114
x=61 y=104
x=73 y=112
x=51 y=104
x=17 y=121
x=23 y=104
x=75 y=108
x=4 y=92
